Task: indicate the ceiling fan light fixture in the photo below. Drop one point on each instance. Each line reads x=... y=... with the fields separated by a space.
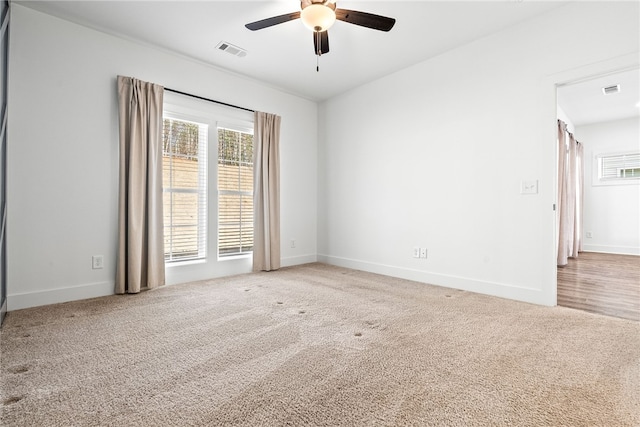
x=318 y=17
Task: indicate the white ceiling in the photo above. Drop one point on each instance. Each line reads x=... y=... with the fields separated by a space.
x=585 y=103
x=282 y=56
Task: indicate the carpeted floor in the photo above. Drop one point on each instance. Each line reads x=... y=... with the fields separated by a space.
x=316 y=345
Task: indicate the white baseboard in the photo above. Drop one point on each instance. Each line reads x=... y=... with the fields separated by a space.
x=54 y=296
x=19 y=301
x=618 y=250
x=298 y=260
x=518 y=293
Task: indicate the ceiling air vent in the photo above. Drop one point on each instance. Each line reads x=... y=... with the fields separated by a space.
x=231 y=49
x=611 y=89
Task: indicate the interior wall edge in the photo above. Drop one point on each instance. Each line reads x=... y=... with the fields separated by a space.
x=3 y=310
x=298 y=260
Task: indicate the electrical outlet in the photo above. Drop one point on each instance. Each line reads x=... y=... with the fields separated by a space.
x=589 y=234
x=423 y=252
x=293 y=243
x=416 y=252
x=97 y=262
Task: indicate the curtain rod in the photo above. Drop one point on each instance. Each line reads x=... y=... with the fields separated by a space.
x=207 y=99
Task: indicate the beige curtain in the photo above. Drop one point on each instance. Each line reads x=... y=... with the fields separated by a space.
x=577 y=226
x=140 y=262
x=562 y=163
x=569 y=217
x=266 y=192
x=570 y=195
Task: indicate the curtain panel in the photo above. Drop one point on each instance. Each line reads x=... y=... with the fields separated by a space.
x=570 y=195
x=140 y=258
x=266 y=192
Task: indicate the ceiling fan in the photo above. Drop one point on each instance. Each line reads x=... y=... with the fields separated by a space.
x=320 y=15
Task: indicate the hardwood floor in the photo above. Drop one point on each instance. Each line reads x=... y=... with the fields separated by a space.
x=601 y=283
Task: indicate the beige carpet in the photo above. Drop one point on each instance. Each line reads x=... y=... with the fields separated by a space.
x=316 y=345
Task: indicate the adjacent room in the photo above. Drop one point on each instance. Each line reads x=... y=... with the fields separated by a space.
x=600 y=270
x=321 y=213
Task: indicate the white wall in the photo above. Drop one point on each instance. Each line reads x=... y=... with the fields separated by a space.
x=63 y=153
x=611 y=212
x=434 y=156
x=431 y=156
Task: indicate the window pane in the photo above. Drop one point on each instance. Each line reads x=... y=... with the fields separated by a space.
x=235 y=223
x=619 y=166
x=246 y=156
x=235 y=184
x=246 y=178
x=184 y=185
x=181 y=243
x=247 y=223
x=229 y=223
x=182 y=209
x=228 y=147
x=630 y=172
x=228 y=177
x=178 y=172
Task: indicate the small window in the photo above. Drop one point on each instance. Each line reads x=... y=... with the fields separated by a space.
x=235 y=192
x=184 y=181
x=619 y=167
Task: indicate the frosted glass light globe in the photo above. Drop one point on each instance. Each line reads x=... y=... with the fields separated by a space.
x=318 y=17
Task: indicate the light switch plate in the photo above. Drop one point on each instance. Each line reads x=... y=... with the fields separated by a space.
x=529 y=187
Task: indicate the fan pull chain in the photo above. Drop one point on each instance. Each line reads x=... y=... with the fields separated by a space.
x=318 y=52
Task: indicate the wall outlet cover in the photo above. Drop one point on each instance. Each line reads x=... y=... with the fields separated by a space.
x=97 y=262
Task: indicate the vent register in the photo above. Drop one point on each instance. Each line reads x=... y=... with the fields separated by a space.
x=231 y=49
x=608 y=90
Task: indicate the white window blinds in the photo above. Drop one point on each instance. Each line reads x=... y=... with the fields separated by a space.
x=620 y=166
x=235 y=192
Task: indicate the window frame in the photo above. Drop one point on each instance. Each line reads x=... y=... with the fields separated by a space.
x=201 y=190
x=203 y=111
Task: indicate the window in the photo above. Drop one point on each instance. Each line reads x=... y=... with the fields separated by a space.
x=235 y=191
x=619 y=167
x=184 y=181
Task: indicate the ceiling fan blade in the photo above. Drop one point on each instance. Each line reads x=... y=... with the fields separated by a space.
x=274 y=20
x=369 y=20
x=323 y=39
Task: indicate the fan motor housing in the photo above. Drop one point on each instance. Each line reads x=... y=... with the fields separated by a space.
x=329 y=4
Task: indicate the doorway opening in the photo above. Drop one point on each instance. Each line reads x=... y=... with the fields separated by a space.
x=603 y=278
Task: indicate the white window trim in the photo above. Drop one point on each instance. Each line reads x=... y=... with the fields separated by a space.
x=203 y=222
